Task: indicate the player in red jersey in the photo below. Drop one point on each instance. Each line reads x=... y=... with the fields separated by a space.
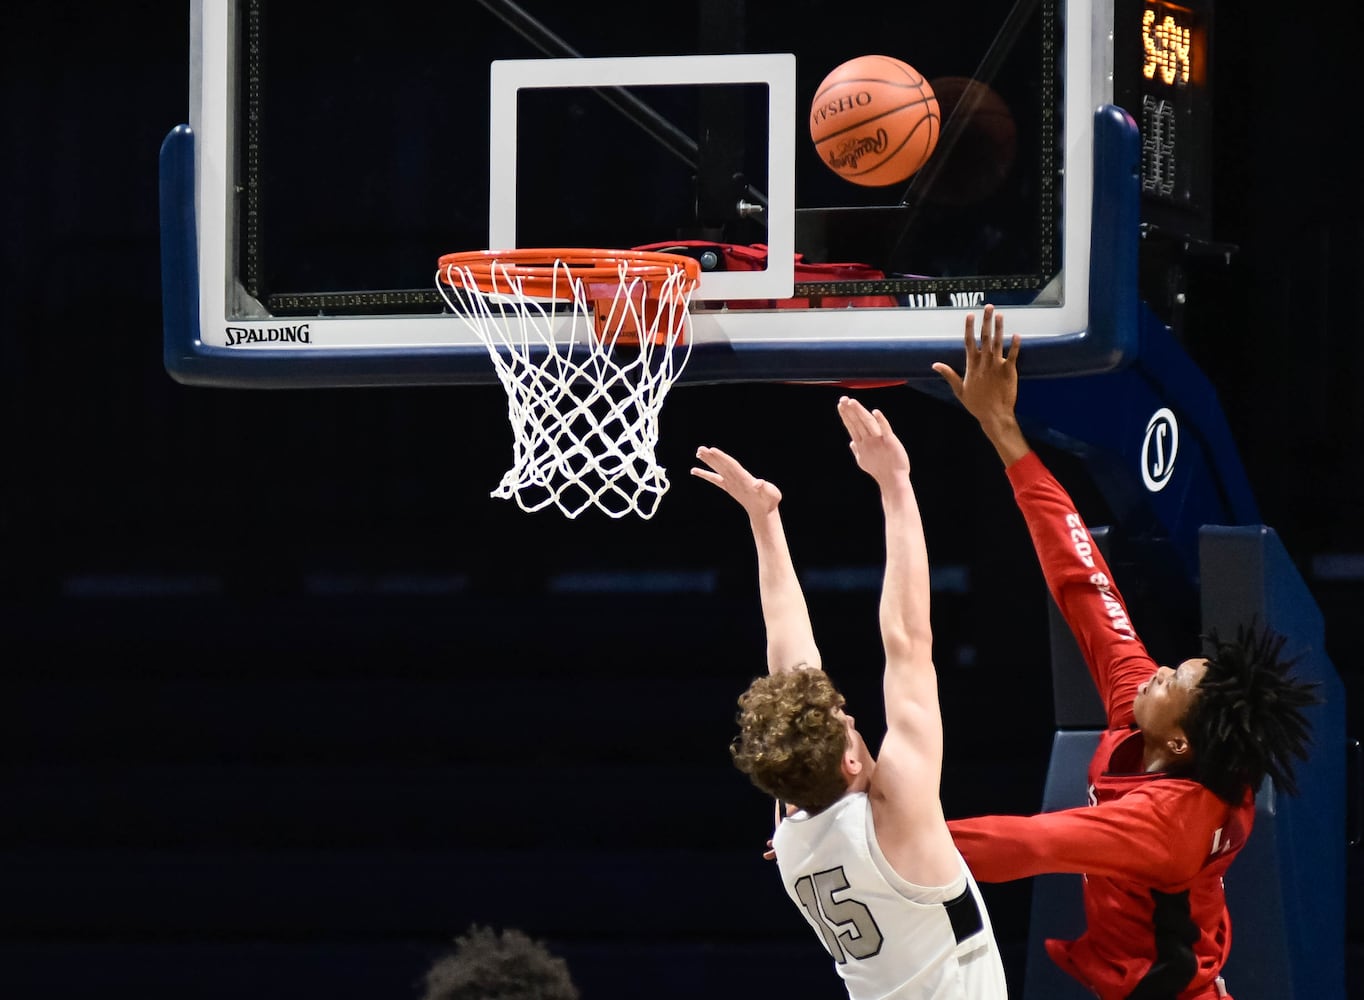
x=1172 y=784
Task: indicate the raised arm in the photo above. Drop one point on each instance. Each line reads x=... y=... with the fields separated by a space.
x=1077 y=575
x=790 y=638
x=905 y=784
x=906 y=628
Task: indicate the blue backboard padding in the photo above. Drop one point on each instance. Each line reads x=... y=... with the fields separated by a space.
x=1114 y=243
x=1102 y=418
x=1106 y=345
x=179 y=251
x=1291 y=943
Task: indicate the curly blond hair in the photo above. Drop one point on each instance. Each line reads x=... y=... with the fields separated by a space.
x=790 y=742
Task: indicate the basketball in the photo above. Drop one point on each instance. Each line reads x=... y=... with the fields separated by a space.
x=875 y=120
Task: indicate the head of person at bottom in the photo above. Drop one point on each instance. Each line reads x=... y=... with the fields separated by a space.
x=1228 y=719
x=796 y=742
x=510 y=965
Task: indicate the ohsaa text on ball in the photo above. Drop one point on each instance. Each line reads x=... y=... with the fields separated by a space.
x=827 y=110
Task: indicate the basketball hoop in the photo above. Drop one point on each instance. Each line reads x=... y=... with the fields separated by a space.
x=586 y=345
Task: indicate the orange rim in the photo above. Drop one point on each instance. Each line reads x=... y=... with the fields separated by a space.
x=538 y=273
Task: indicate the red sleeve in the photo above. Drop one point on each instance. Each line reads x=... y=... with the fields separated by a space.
x=1083 y=588
x=1138 y=837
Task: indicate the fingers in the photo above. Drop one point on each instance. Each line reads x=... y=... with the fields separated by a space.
x=991 y=326
x=950 y=376
x=995 y=322
x=863 y=423
x=719 y=461
x=977 y=350
x=859 y=423
x=991 y=342
x=712 y=457
x=871 y=439
x=723 y=470
x=726 y=473
x=983 y=355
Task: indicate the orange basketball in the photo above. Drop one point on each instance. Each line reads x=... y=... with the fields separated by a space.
x=875 y=120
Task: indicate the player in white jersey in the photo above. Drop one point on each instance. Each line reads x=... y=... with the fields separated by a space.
x=863 y=847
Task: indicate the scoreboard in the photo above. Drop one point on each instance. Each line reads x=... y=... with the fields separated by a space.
x=1161 y=73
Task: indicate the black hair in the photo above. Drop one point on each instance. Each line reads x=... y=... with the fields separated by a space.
x=508 y=966
x=1247 y=721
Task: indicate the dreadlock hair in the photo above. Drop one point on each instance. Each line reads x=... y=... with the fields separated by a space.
x=1247 y=721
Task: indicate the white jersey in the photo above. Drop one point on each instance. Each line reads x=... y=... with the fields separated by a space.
x=890 y=939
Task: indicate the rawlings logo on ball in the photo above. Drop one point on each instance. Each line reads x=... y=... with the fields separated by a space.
x=853 y=150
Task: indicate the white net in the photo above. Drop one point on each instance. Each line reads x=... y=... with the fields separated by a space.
x=586 y=365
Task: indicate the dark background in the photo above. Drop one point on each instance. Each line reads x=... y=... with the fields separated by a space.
x=288 y=700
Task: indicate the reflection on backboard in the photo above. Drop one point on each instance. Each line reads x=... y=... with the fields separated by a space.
x=330 y=160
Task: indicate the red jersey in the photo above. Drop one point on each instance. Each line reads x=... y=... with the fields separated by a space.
x=1152 y=848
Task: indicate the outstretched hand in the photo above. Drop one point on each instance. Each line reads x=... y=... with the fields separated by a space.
x=989 y=387
x=756 y=496
x=878 y=451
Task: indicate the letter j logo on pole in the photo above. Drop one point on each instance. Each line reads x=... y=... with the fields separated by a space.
x=1159 y=449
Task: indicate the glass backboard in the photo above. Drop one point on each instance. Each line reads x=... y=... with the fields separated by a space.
x=332 y=156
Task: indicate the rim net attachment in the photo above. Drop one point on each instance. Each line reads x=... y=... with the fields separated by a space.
x=587 y=344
